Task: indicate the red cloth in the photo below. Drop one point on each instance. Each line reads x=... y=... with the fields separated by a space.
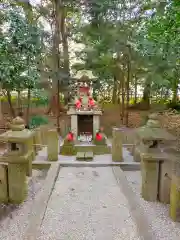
x=78 y=103
x=91 y=102
x=98 y=136
x=70 y=136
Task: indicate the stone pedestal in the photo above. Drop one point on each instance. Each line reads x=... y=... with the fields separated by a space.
x=156 y=172
x=17 y=183
x=117 y=155
x=3 y=183
x=52 y=145
x=175 y=193
x=149 y=172
x=165 y=174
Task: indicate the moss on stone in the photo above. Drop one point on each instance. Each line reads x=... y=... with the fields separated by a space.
x=102 y=142
x=68 y=150
x=175 y=199
x=102 y=149
x=3 y=184
x=18 y=187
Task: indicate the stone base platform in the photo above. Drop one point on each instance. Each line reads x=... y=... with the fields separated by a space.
x=72 y=150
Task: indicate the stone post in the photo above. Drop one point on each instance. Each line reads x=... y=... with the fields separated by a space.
x=117 y=153
x=175 y=193
x=37 y=140
x=44 y=132
x=17 y=182
x=96 y=124
x=149 y=172
x=31 y=158
x=52 y=145
x=74 y=125
x=3 y=183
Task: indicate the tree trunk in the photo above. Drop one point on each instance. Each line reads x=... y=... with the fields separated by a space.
x=56 y=54
x=122 y=98
x=127 y=85
x=13 y=114
x=175 y=90
x=135 y=89
x=146 y=95
x=1 y=114
x=28 y=107
x=114 y=94
x=65 y=51
x=19 y=104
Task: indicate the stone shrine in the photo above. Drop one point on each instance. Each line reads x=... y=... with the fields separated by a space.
x=85 y=137
x=85 y=114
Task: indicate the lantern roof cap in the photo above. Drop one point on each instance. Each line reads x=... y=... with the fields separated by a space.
x=153 y=131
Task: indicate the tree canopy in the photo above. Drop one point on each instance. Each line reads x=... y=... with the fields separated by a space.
x=126 y=44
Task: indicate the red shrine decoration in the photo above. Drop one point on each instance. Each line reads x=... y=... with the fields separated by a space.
x=70 y=137
x=91 y=102
x=99 y=136
x=78 y=103
x=84 y=89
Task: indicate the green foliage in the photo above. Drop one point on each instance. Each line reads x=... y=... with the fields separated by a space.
x=20 y=46
x=149 y=28
x=39 y=98
x=158 y=42
x=146 y=33
x=37 y=121
x=173 y=105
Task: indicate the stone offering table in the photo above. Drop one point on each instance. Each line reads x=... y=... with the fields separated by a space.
x=18 y=159
x=156 y=164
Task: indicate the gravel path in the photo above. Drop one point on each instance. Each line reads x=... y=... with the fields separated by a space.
x=157 y=213
x=15 y=219
x=87 y=204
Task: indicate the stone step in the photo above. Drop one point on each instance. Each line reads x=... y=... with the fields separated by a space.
x=89 y=155
x=84 y=156
x=80 y=156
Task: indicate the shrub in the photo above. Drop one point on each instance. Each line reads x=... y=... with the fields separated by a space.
x=37 y=120
x=173 y=105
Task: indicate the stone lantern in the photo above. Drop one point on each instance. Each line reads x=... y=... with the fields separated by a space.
x=19 y=156
x=156 y=164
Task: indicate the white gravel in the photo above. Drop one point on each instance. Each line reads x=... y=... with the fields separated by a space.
x=87 y=204
x=14 y=219
x=157 y=213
